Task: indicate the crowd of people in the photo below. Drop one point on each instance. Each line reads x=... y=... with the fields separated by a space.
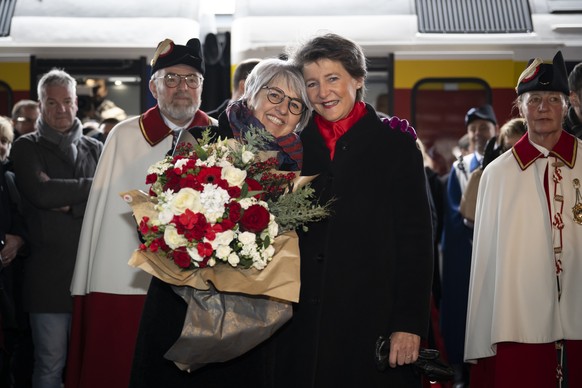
x=491 y=247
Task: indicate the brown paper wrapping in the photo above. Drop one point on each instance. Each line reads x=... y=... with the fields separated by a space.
x=279 y=279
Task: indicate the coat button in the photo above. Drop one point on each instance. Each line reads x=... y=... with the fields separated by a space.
x=319 y=257
x=345 y=147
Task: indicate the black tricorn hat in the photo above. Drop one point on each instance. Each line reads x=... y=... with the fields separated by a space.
x=544 y=76
x=169 y=54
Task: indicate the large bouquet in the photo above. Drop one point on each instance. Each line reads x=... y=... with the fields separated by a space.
x=219 y=218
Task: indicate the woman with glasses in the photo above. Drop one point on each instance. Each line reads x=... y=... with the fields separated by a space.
x=366 y=271
x=274 y=99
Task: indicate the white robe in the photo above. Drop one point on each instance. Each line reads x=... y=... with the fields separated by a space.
x=109 y=235
x=513 y=294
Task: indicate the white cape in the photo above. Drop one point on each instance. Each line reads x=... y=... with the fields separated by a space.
x=512 y=292
x=109 y=235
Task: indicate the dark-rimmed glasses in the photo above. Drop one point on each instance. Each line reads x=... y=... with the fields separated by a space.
x=277 y=96
x=172 y=80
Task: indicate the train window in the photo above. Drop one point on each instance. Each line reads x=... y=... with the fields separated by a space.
x=438 y=107
x=380 y=83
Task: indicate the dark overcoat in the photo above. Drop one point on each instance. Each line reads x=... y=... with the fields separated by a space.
x=367 y=270
x=53 y=235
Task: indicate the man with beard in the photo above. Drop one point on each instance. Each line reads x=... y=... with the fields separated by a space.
x=108 y=293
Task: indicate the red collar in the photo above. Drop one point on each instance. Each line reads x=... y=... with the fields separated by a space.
x=332 y=131
x=154 y=130
x=565 y=150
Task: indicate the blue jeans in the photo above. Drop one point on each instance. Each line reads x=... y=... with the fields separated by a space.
x=50 y=335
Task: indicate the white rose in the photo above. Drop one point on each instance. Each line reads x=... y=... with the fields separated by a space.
x=247 y=238
x=247 y=156
x=186 y=198
x=165 y=216
x=223 y=251
x=233 y=259
x=211 y=262
x=259 y=264
x=233 y=175
x=269 y=252
x=173 y=238
x=273 y=228
x=224 y=238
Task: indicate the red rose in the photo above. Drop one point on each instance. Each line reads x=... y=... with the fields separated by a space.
x=151 y=178
x=234 y=211
x=233 y=191
x=255 y=219
x=181 y=258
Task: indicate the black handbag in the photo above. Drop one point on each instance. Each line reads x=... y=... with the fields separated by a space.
x=428 y=363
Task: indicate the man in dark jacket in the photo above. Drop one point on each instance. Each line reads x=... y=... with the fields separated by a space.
x=54 y=169
x=573 y=122
x=11 y=241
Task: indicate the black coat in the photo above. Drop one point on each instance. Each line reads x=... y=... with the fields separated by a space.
x=367 y=270
x=54 y=235
x=161 y=325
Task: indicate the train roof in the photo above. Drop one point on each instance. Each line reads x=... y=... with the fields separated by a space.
x=516 y=29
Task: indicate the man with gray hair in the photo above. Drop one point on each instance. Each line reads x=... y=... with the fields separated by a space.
x=54 y=168
x=108 y=293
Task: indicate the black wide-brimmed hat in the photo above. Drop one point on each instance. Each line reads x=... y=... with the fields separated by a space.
x=169 y=54
x=544 y=76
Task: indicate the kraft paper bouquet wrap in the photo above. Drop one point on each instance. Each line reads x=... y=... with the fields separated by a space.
x=219 y=226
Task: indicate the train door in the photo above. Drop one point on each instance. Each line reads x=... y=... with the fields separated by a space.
x=122 y=82
x=438 y=108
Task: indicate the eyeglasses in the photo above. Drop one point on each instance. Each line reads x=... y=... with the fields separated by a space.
x=277 y=96
x=172 y=80
x=22 y=119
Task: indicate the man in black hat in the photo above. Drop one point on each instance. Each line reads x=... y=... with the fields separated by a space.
x=481 y=125
x=108 y=293
x=573 y=122
x=523 y=318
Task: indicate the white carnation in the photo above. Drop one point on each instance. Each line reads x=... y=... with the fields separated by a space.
x=213 y=200
x=180 y=163
x=193 y=252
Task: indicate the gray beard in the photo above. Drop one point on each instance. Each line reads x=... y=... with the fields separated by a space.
x=180 y=113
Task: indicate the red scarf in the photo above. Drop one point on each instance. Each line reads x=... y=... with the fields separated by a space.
x=332 y=131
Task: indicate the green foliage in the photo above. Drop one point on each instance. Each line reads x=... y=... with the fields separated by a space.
x=296 y=209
